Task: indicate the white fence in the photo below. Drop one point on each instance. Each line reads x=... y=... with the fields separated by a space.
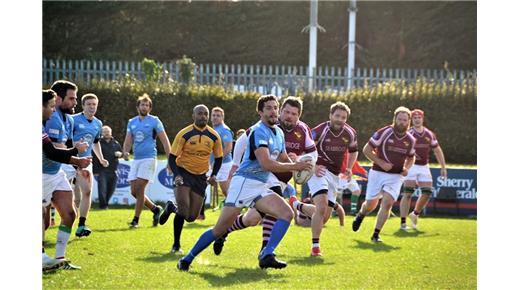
x=260 y=78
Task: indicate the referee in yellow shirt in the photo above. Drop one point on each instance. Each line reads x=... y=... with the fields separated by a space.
x=189 y=159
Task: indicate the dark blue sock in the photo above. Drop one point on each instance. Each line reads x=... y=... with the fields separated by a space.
x=204 y=241
x=279 y=230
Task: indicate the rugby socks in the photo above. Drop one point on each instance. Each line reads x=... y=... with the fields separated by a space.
x=53 y=212
x=416 y=212
x=82 y=221
x=315 y=242
x=178 y=224
x=376 y=232
x=204 y=241
x=298 y=205
x=403 y=220
x=238 y=224
x=62 y=240
x=136 y=219
x=353 y=202
x=267 y=228
x=156 y=209
x=279 y=230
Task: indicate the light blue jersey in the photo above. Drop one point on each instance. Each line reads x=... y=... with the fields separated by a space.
x=261 y=136
x=144 y=133
x=59 y=128
x=88 y=130
x=226 y=135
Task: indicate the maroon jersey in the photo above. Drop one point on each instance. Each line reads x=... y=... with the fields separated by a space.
x=424 y=142
x=332 y=147
x=392 y=148
x=297 y=141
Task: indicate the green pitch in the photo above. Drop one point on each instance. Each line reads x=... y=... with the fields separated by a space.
x=442 y=254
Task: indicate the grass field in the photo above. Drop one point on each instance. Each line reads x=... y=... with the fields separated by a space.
x=442 y=254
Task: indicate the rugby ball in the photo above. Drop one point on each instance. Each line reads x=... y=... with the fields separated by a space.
x=302 y=176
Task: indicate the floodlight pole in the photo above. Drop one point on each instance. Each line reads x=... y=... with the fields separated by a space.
x=313 y=28
x=351 y=43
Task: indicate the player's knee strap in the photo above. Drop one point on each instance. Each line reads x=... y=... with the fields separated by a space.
x=426 y=190
x=408 y=189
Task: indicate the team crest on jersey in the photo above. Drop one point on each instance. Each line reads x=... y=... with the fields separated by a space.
x=207 y=143
x=390 y=140
x=344 y=139
x=139 y=136
x=327 y=140
x=406 y=143
x=427 y=139
x=298 y=135
x=81 y=126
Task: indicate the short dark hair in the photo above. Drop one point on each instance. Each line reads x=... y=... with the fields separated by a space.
x=339 y=106
x=47 y=95
x=62 y=86
x=144 y=97
x=264 y=99
x=293 y=102
x=89 y=96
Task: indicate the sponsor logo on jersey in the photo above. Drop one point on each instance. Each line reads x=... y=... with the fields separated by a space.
x=298 y=135
x=139 y=136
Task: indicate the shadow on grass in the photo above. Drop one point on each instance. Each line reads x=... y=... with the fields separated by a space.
x=241 y=276
x=161 y=257
x=379 y=247
x=413 y=233
x=309 y=260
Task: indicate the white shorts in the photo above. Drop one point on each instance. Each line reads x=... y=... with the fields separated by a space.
x=351 y=185
x=327 y=182
x=419 y=173
x=244 y=192
x=381 y=181
x=272 y=180
x=223 y=173
x=70 y=171
x=52 y=183
x=143 y=168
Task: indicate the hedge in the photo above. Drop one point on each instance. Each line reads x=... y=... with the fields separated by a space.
x=450 y=109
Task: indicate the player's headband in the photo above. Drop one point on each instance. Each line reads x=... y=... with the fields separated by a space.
x=417 y=112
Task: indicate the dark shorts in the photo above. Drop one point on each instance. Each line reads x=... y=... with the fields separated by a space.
x=197 y=183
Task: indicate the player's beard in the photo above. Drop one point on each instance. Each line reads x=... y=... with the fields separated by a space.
x=69 y=111
x=287 y=125
x=201 y=123
x=272 y=120
x=143 y=114
x=400 y=129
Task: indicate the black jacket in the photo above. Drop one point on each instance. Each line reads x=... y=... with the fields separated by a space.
x=109 y=148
